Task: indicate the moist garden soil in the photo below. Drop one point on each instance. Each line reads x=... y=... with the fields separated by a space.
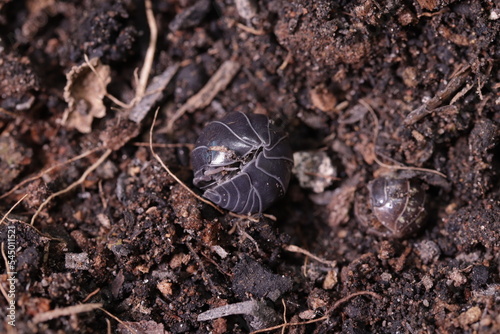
x=371 y=85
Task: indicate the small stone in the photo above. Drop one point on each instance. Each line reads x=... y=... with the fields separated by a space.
x=479 y=276
x=103 y=220
x=314 y=170
x=165 y=288
x=331 y=280
x=307 y=314
x=219 y=251
x=427 y=282
x=406 y=17
x=79 y=261
x=247 y=9
x=410 y=77
x=428 y=251
x=456 y=277
x=470 y=316
x=178 y=260
x=494 y=14
x=386 y=277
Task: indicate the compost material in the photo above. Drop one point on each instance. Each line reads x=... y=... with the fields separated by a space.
x=107 y=240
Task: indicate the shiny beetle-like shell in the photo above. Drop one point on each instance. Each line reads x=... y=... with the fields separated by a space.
x=242 y=162
x=398 y=204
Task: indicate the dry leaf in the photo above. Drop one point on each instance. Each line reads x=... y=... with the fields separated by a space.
x=84 y=93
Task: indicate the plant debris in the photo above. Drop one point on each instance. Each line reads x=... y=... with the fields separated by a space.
x=84 y=92
x=261 y=315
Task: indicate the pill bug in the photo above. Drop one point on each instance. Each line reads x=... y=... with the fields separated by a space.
x=398 y=204
x=242 y=162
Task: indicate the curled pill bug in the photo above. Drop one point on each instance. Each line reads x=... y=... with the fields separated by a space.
x=242 y=162
x=398 y=204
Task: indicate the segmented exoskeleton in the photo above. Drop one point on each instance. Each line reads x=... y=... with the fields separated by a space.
x=242 y=162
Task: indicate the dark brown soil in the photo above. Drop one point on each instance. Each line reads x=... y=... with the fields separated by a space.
x=132 y=239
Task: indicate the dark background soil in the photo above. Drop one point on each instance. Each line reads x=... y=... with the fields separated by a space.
x=156 y=257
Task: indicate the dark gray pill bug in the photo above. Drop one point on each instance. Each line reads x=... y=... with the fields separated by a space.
x=242 y=162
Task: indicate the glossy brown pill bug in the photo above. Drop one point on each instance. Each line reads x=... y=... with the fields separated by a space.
x=397 y=206
x=243 y=162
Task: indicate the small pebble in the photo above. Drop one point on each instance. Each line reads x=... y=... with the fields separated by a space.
x=314 y=170
x=470 y=316
x=79 y=261
x=427 y=282
x=457 y=278
x=428 y=251
x=331 y=280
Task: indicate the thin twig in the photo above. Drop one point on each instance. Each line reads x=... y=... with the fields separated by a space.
x=7 y=269
x=352 y=295
x=102 y=195
x=287 y=61
x=218 y=266
x=61 y=312
x=9 y=113
x=461 y=93
x=92 y=294
x=336 y=305
x=157 y=157
x=142 y=79
x=428 y=14
x=132 y=330
x=252 y=218
x=12 y=208
x=249 y=237
x=188 y=145
x=378 y=161
x=297 y=249
x=253 y=31
x=269 y=216
x=108 y=326
x=217 y=83
x=150 y=53
x=205 y=275
x=285 y=322
x=289 y=324
x=73 y=185
x=48 y=170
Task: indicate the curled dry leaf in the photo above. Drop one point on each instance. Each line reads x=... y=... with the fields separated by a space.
x=84 y=92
